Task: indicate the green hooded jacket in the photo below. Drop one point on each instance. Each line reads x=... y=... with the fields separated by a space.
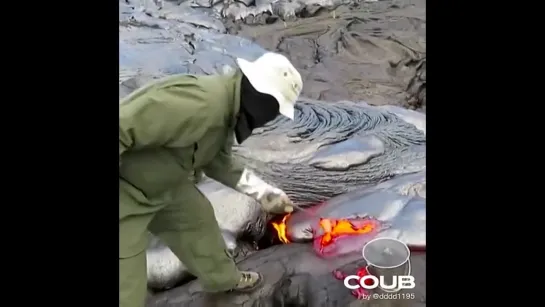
x=172 y=129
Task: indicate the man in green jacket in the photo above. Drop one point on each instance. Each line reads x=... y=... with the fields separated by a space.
x=170 y=131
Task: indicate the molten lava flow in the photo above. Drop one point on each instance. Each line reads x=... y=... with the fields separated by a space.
x=364 y=272
x=329 y=231
x=336 y=228
x=281 y=229
x=359 y=293
x=337 y=237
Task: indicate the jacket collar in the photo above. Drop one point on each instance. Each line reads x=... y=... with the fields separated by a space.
x=234 y=80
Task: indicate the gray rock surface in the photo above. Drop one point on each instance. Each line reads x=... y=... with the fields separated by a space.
x=295 y=277
x=401 y=202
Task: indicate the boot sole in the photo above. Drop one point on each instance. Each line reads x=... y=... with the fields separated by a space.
x=252 y=288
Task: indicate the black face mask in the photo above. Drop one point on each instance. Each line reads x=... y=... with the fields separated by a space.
x=256 y=109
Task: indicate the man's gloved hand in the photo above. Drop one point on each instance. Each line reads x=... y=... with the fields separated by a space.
x=276 y=201
x=273 y=200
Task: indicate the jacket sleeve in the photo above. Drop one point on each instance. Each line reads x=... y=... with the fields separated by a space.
x=170 y=117
x=224 y=168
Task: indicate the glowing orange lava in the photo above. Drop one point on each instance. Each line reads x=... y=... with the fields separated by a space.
x=334 y=228
x=281 y=229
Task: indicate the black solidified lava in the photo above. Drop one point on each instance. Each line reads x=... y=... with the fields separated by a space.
x=346 y=129
x=294 y=276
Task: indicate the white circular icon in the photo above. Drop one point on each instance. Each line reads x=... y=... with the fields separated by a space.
x=386 y=253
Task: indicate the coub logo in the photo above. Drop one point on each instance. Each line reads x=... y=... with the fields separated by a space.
x=388 y=266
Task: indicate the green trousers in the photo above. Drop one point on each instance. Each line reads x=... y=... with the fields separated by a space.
x=184 y=220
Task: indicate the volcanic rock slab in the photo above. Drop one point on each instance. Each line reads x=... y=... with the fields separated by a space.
x=295 y=277
x=334 y=148
x=370 y=51
x=373 y=51
x=401 y=202
x=240 y=9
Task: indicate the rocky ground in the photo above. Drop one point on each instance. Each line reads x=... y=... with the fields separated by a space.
x=295 y=277
x=367 y=51
x=372 y=51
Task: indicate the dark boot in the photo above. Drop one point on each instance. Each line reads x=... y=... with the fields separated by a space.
x=248 y=282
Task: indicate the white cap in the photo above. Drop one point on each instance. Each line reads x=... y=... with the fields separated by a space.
x=273 y=74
